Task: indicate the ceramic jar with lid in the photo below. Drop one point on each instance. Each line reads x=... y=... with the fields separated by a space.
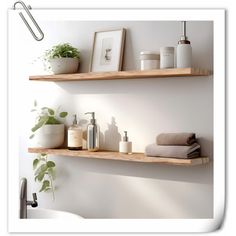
x=167 y=56
x=149 y=60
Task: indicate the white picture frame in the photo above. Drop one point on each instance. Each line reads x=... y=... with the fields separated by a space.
x=108 y=49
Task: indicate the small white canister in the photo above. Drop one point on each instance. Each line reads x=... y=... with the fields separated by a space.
x=150 y=60
x=167 y=55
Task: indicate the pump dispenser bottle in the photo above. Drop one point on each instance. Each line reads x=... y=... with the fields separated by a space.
x=184 y=50
x=92 y=134
x=125 y=146
x=74 y=137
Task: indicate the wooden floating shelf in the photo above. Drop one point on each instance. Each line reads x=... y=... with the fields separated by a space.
x=135 y=74
x=109 y=155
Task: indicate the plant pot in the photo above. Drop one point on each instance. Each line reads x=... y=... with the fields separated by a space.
x=64 y=65
x=51 y=136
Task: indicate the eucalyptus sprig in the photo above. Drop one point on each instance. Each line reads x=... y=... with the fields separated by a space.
x=44 y=173
x=46 y=116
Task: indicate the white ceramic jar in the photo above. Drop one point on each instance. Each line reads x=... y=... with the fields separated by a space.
x=149 y=60
x=167 y=57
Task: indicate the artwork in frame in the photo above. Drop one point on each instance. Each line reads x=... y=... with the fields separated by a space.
x=108 y=49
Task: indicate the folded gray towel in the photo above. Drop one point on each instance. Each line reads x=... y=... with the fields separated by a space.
x=155 y=150
x=176 y=139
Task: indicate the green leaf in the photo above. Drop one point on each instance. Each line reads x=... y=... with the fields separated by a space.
x=35 y=163
x=42 y=168
x=48 y=188
x=31 y=136
x=52 y=172
x=52 y=121
x=51 y=164
x=41 y=122
x=40 y=176
x=51 y=111
x=45 y=185
x=63 y=114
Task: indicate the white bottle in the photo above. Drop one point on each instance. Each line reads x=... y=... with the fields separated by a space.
x=125 y=146
x=184 y=50
x=75 y=136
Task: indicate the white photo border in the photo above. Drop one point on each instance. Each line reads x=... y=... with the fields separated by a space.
x=129 y=225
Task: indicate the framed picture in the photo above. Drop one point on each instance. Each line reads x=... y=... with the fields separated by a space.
x=108 y=48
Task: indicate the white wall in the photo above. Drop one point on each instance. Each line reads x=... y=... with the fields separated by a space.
x=145 y=107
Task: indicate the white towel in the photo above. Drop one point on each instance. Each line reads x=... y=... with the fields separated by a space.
x=155 y=150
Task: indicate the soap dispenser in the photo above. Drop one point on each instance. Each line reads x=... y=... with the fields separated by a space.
x=184 y=50
x=92 y=134
x=75 y=136
x=125 y=146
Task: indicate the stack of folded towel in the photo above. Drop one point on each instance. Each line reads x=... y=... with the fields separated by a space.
x=178 y=145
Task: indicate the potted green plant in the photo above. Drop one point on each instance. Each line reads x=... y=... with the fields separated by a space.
x=62 y=58
x=50 y=129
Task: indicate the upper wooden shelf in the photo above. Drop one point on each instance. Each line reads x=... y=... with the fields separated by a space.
x=109 y=155
x=135 y=74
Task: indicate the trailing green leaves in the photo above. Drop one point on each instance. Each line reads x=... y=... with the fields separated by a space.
x=45 y=186
x=50 y=164
x=44 y=172
x=35 y=163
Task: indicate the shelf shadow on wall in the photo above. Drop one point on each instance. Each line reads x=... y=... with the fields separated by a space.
x=127 y=86
x=202 y=174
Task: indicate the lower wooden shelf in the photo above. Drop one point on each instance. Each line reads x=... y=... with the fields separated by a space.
x=111 y=155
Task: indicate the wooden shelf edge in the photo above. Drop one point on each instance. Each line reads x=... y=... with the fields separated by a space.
x=111 y=155
x=135 y=74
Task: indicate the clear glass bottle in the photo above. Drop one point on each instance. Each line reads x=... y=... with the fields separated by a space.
x=75 y=136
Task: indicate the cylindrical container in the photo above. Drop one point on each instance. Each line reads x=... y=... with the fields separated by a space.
x=184 y=55
x=92 y=134
x=184 y=50
x=167 y=57
x=51 y=136
x=93 y=137
x=125 y=146
x=149 y=60
x=75 y=136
